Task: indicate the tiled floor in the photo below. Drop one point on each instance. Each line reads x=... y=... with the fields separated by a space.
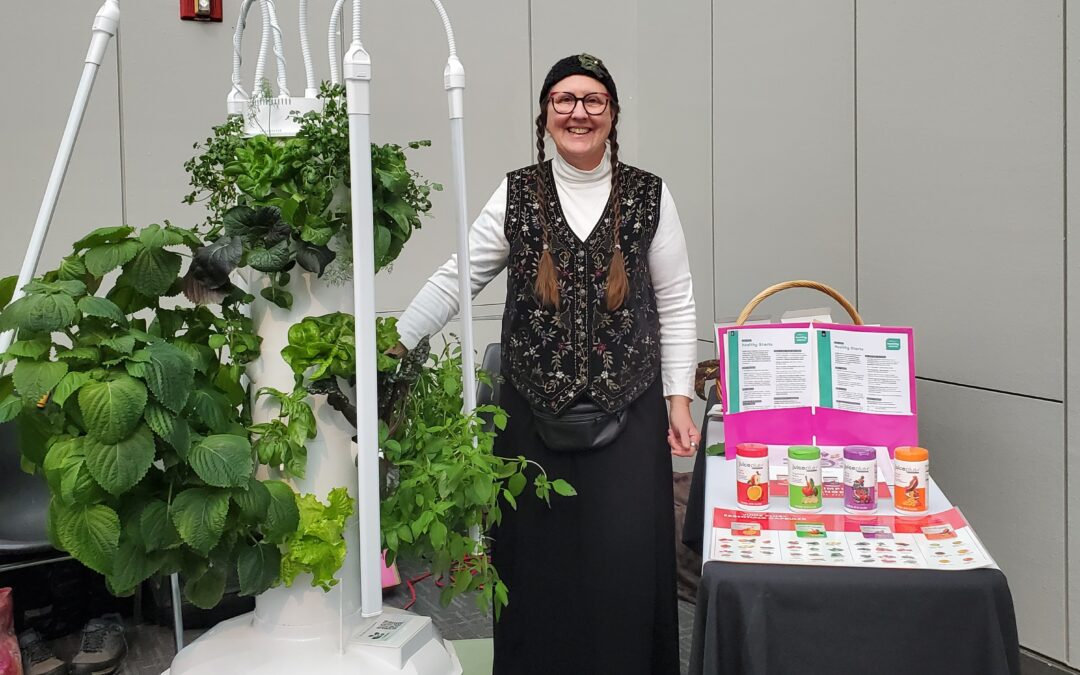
x=151 y=648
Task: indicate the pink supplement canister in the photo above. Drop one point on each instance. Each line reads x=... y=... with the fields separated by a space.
x=860 y=479
x=752 y=469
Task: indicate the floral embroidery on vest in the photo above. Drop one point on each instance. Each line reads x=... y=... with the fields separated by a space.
x=554 y=356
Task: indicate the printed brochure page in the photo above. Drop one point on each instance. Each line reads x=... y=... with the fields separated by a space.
x=769 y=368
x=864 y=372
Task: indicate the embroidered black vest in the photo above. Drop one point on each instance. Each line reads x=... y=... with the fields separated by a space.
x=554 y=356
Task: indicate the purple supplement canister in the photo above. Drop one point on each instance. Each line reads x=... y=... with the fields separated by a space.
x=860 y=479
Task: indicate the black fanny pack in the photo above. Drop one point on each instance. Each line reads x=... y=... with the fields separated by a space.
x=582 y=426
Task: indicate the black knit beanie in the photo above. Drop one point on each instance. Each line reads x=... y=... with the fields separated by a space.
x=578 y=64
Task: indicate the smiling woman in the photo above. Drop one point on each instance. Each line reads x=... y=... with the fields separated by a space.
x=580 y=131
x=598 y=329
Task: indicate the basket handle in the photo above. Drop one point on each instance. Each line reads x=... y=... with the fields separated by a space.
x=802 y=283
x=708 y=370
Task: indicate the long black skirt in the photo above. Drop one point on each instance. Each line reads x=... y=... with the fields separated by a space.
x=592 y=577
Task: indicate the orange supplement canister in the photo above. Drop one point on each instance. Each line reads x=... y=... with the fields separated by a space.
x=752 y=469
x=911 y=479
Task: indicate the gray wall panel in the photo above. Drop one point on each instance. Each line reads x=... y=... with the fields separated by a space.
x=159 y=129
x=960 y=184
x=674 y=112
x=998 y=458
x=408 y=102
x=43 y=59
x=783 y=146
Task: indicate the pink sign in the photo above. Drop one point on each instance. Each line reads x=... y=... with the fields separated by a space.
x=821 y=384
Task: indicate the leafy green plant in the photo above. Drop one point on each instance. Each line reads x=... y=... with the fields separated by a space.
x=139 y=423
x=287 y=200
x=317 y=545
x=446 y=480
x=281 y=442
x=321 y=347
x=443 y=477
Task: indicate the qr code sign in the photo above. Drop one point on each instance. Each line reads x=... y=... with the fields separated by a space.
x=384 y=630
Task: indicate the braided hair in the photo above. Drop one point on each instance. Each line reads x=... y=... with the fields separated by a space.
x=546 y=285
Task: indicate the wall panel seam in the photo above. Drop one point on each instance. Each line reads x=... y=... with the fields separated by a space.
x=990 y=389
x=855 y=132
x=712 y=152
x=532 y=81
x=1065 y=306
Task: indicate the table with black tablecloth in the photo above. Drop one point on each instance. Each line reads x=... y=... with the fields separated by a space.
x=765 y=619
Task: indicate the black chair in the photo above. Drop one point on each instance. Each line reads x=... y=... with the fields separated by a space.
x=489 y=394
x=24 y=503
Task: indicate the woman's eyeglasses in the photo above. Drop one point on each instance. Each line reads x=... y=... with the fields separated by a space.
x=565 y=102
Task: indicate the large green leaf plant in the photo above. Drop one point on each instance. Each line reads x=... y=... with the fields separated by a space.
x=132 y=403
x=132 y=406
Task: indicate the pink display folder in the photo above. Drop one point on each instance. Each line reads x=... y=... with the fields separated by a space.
x=820 y=425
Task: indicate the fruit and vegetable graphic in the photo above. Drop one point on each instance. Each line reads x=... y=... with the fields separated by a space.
x=911 y=494
x=754 y=491
x=859 y=492
x=811 y=492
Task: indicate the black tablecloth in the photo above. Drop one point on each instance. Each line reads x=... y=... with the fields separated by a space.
x=694 y=521
x=801 y=620
x=763 y=619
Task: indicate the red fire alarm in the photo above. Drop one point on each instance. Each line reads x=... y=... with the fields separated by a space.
x=200 y=10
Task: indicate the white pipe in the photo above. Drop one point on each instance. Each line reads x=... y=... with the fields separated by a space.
x=177 y=611
x=447 y=27
x=312 y=89
x=264 y=51
x=357 y=89
x=454 y=83
x=269 y=15
x=332 y=42
x=357 y=16
x=468 y=357
x=104 y=28
x=279 y=49
x=238 y=37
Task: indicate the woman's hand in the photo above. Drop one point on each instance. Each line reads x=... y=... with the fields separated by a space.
x=397 y=351
x=683 y=436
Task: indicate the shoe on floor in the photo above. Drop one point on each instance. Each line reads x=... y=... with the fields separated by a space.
x=37 y=657
x=103 y=647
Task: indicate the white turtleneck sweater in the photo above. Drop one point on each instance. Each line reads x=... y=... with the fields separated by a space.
x=583 y=195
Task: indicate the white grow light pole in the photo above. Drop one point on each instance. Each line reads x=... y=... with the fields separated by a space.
x=357 y=70
x=454 y=83
x=105 y=23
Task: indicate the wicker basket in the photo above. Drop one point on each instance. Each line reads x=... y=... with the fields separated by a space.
x=708 y=370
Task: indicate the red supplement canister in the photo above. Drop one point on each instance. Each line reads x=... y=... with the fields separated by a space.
x=752 y=469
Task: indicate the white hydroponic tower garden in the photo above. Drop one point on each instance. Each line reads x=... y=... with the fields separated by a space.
x=303 y=629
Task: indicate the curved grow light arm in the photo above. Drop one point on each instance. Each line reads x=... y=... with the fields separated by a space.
x=357 y=67
x=454 y=83
x=332 y=42
x=105 y=23
x=271 y=33
x=312 y=89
